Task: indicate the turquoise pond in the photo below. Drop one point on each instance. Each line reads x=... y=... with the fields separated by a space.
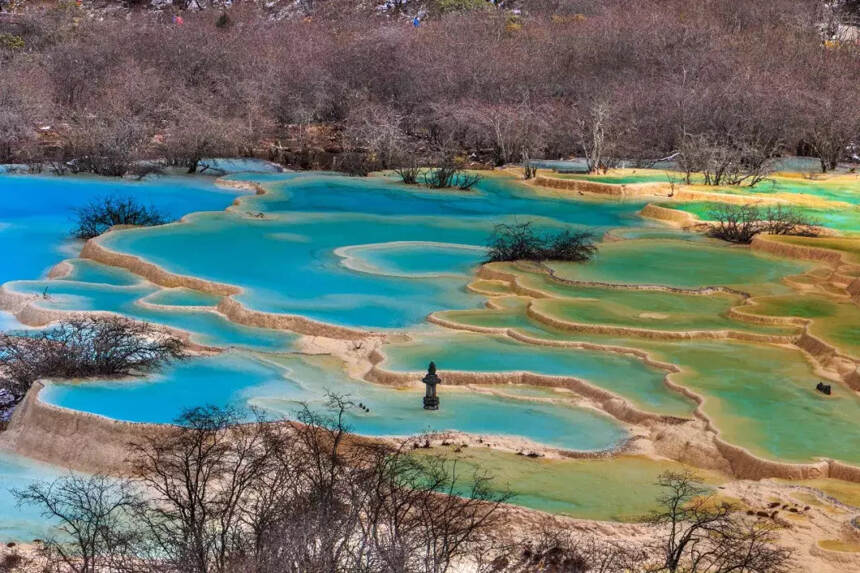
x=371 y=253
x=279 y=386
x=37 y=215
x=22 y=523
x=286 y=261
x=127 y=295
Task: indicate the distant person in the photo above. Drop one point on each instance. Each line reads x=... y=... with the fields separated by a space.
x=178 y=20
x=416 y=21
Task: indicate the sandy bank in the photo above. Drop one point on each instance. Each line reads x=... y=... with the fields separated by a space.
x=672 y=216
x=71 y=439
x=95 y=251
x=606 y=189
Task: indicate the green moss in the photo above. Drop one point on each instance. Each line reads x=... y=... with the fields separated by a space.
x=11 y=42
x=448 y=6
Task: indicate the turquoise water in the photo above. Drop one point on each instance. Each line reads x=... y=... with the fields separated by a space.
x=414 y=260
x=182 y=297
x=37 y=212
x=624 y=375
x=22 y=524
x=374 y=254
x=206 y=327
x=286 y=261
x=237 y=379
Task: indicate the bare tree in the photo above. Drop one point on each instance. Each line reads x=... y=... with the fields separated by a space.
x=101 y=214
x=726 y=161
x=596 y=137
x=740 y=223
x=85 y=347
x=377 y=129
x=700 y=534
x=93 y=516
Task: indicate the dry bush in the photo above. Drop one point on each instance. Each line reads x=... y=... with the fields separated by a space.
x=102 y=214
x=520 y=242
x=85 y=347
x=740 y=223
x=703 y=535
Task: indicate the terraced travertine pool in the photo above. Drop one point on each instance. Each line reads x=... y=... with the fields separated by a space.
x=376 y=256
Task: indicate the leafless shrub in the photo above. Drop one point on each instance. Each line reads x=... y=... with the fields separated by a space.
x=378 y=130
x=557 y=550
x=442 y=176
x=102 y=214
x=701 y=534
x=104 y=146
x=85 y=347
x=94 y=520
x=740 y=223
x=408 y=171
x=520 y=241
x=466 y=181
x=725 y=162
x=302 y=497
x=356 y=164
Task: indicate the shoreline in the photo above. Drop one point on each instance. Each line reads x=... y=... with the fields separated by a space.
x=746 y=463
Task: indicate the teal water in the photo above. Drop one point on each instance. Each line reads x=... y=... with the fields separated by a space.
x=22 y=524
x=286 y=261
x=414 y=260
x=206 y=327
x=410 y=252
x=279 y=387
x=36 y=212
x=624 y=375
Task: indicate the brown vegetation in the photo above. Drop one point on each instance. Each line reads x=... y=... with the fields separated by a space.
x=706 y=535
x=84 y=347
x=100 y=215
x=520 y=242
x=740 y=223
x=727 y=84
x=212 y=494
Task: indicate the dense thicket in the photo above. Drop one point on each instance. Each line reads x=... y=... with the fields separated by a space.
x=740 y=223
x=638 y=79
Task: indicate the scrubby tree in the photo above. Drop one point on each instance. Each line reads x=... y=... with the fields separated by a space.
x=740 y=223
x=520 y=241
x=85 y=347
x=102 y=214
x=701 y=534
x=216 y=494
x=94 y=520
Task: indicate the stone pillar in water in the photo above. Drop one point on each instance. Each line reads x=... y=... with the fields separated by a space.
x=431 y=400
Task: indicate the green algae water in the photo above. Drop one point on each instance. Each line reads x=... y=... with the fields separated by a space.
x=845 y=219
x=617 y=489
x=682 y=264
x=624 y=375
